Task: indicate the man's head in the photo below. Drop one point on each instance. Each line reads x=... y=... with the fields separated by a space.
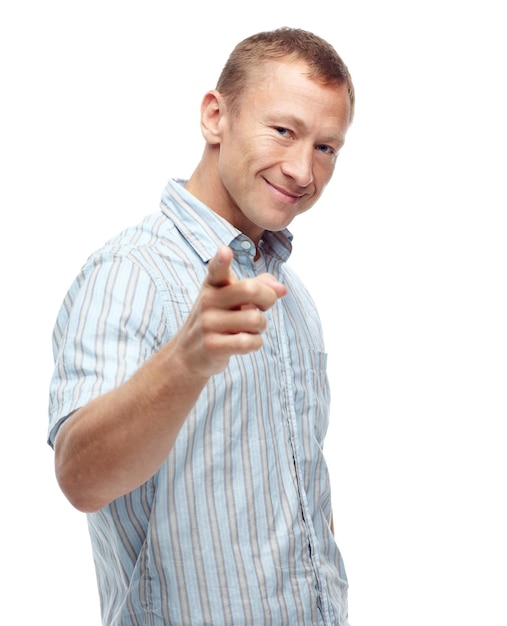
x=324 y=63
x=273 y=127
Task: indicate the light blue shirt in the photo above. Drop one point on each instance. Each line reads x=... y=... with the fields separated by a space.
x=234 y=528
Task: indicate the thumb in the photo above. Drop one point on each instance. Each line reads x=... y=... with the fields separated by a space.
x=279 y=288
x=219 y=268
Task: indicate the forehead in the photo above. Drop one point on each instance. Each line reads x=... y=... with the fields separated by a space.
x=286 y=86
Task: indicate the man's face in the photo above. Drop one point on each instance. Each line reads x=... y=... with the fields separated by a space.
x=278 y=152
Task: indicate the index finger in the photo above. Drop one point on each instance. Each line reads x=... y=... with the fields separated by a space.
x=220 y=273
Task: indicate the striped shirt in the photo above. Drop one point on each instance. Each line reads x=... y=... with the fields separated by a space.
x=234 y=528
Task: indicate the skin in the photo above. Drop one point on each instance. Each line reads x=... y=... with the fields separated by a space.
x=272 y=160
x=259 y=169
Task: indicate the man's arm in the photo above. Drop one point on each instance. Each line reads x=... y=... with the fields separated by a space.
x=118 y=441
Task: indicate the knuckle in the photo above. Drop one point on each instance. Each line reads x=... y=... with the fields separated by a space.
x=250 y=287
x=248 y=343
x=206 y=322
x=260 y=320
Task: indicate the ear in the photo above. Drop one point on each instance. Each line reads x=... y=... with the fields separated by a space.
x=212 y=112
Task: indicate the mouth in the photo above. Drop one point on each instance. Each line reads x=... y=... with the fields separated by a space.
x=289 y=197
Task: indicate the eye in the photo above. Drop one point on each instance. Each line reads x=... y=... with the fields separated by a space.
x=284 y=132
x=325 y=149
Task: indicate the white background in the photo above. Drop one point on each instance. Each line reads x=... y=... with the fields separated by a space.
x=405 y=255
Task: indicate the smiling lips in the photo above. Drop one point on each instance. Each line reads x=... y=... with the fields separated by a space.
x=286 y=196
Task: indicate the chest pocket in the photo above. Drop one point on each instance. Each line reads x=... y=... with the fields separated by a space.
x=315 y=395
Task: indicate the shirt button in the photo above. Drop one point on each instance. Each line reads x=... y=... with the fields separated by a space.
x=246 y=245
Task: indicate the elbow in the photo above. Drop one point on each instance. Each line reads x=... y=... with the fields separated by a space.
x=76 y=487
x=83 y=503
x=77 y=494
x=74 y=475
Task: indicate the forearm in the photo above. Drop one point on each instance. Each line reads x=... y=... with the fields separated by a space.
x=119 y=440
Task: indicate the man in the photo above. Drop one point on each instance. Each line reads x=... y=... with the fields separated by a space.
x=190 y=401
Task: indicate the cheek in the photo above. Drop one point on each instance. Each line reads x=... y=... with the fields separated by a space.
x=321 y=178
x=324 y=169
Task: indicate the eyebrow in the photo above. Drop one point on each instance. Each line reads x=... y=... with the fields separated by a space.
x=294 y=120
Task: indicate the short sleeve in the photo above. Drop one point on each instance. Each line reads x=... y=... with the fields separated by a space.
x=111 y=321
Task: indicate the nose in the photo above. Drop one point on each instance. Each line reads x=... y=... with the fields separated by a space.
x=298 y=164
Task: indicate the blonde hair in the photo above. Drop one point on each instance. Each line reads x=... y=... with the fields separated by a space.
x=324 y=63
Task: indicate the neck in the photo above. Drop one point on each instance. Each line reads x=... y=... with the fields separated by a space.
x=206 y=185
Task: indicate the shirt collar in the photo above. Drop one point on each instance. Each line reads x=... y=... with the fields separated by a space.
x=205 y=230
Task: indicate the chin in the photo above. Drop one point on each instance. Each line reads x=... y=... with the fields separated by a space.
x=276 y=227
